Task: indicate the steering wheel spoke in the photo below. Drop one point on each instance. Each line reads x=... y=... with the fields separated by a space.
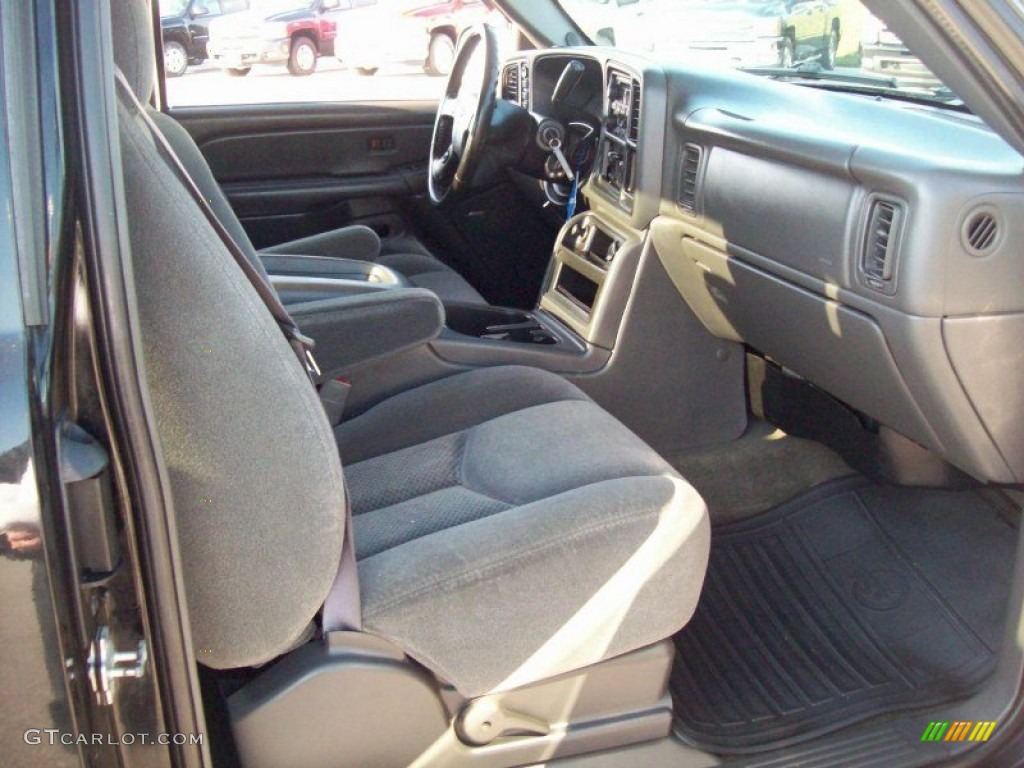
x=442 y=169
x=449 y=107
x=464 y=113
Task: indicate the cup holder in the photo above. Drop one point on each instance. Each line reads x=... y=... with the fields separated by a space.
x=497 y=324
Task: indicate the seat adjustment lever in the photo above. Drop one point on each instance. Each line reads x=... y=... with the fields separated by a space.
x=483 y=720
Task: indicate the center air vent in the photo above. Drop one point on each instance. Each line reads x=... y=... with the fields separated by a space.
x=689 y=175
x=515 y=84
x=634 y=113
x=510 y=83
x=510 y=88
x=980 y=231
x=881 y=244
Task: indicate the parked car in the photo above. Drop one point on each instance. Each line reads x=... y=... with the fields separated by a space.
x=738 y=33
x=883 y=53
x=444 y=23
x=291 y=32
x=184 y=26
x=417 y=33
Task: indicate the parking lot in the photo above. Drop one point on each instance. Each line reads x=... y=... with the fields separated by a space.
x=331 y=82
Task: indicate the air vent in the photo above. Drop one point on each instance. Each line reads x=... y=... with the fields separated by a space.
x=634 y=112
x=689 y=175
x=878 y=262
x=980 y=232
x=510 y=83
x=515 y=83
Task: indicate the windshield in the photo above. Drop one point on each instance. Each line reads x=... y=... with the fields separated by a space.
x=826 y=43
x=172 y=8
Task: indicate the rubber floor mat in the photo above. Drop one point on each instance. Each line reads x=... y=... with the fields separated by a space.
x=850 y=601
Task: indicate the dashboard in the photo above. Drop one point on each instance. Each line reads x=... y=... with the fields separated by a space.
x=869 y=246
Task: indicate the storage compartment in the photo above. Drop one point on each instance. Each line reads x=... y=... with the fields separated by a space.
x=581 y=290
x=812 y=241
x=497 y=324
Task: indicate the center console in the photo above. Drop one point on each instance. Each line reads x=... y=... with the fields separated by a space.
x=574 y=326
x=583 y=288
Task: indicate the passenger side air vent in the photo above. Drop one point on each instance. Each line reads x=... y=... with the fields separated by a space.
x=634 y=113
x=980 y=232
x=881 y=244
x=689 y=177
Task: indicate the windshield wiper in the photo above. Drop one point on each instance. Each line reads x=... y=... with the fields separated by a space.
x=803 y=72
x=860 y=82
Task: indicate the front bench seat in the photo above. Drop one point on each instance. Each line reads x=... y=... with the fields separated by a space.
x=507 y=528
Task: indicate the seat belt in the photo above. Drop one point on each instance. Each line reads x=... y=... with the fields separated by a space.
x=342 y=609
x=301 y=344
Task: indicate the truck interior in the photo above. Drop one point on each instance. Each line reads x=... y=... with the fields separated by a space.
x=720 y=469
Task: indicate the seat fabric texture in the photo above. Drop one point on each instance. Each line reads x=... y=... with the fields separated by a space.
x=404 y=254
x=260 y=534
x=508 y=529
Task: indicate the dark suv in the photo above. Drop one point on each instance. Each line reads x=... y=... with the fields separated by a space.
x=185 y=28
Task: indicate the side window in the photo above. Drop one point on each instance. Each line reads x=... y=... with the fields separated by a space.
x=327 y=50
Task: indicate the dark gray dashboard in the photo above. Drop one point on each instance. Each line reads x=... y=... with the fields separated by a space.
x=869 y=245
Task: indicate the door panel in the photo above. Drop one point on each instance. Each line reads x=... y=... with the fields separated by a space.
x=296 y=170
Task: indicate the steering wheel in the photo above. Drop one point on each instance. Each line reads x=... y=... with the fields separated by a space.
x=464 y=114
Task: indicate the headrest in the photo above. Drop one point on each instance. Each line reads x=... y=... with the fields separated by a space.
x=134 y=51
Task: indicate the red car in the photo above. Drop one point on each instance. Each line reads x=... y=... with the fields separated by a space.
x=291 y=32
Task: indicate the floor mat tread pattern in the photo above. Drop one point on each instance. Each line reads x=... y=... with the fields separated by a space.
x=848 y=602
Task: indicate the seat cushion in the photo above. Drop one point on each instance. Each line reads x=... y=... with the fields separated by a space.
x=426 y=271
x=508 y=529
x=404 y=254
x=421 y=414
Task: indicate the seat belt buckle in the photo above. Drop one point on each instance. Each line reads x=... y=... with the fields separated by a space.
x=303 y=346
x=311 y=367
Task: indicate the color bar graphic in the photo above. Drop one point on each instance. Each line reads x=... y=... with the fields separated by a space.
x=959 y=730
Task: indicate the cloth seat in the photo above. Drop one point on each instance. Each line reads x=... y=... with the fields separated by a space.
x=507 y=528
x=492 y=508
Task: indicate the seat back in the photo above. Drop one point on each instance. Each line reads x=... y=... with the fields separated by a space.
x=254 y=469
